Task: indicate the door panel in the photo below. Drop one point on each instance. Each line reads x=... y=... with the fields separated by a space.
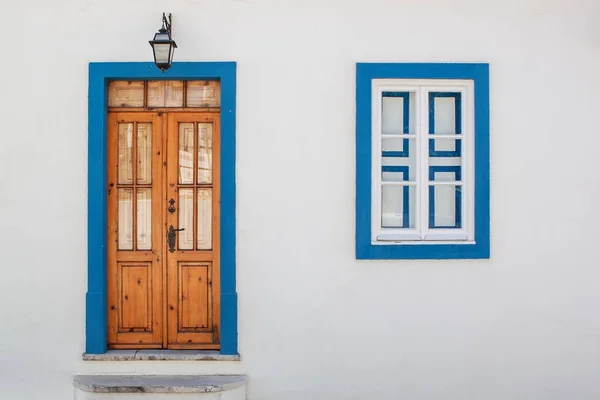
x=135 y=296
x=195 y=306
x=193 y=257
x=134 y=249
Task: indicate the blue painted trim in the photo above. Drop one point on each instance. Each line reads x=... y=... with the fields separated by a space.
x=365 y=73
x=405 y=191
x=457 y=196
x=96 y=298
x=457 y=124
x=405 y=124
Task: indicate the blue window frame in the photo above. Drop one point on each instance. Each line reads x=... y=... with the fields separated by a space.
x=479 y=246
x=96 y=298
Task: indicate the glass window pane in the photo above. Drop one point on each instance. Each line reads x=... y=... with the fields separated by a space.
x=126 y=94
x=445 y=206
x=165 y=94
x=186 y=219
x=204 y=219
x=447 y=148
x=204 y=153
x=156 y=93
x=144 y=153
x=125 y=219
x=397 y=113
x=445 y=173
x=186 y=153
x=444 y=113
x=203 y=94
x=144 y=219
x=174 y=94
x=399 y=156
x=398 y=206
x=125 y=161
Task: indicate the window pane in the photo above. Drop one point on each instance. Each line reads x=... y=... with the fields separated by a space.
x=203 y=94
x=399 y=156
x=144 y=219
x=126 y=94
x=186 y=219
x=445 y=113
x=165 y=94
x=204 y=219
x=174 y=94
x=125 y=161
x=451 y=148
x=397 y=113
x=156 y=95
x=445 y=209
x=125 y=219
x=398 y=206
x=144 y=153
x=204 y=153
x=445 y=173
x=186 y=153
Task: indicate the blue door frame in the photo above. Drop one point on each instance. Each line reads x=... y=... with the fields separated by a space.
x=96 y=298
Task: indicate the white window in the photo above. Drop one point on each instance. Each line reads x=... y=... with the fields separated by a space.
x=422 y=161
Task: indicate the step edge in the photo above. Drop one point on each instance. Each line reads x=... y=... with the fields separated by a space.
x=104 y=387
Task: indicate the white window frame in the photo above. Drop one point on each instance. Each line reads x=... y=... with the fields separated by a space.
x=421 y=234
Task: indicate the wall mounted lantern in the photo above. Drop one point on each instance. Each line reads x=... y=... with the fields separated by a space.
x=163 y=46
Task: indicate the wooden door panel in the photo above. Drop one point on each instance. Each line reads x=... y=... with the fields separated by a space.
x=135 y=297
x=195 y=306
x=134 y=248
x=193 y=290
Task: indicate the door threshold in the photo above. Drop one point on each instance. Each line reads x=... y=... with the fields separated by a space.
x=160 y=355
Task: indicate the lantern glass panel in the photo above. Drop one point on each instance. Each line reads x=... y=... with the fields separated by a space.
x=162 y=51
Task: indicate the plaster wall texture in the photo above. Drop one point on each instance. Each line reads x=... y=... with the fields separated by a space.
x=314 y=323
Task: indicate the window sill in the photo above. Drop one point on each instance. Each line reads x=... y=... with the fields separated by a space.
x=382 y=242
x=160 y=355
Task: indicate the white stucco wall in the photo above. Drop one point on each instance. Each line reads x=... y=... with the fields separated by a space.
x=314 y=323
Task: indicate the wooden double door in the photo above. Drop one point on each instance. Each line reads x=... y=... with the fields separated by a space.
x=163 y=230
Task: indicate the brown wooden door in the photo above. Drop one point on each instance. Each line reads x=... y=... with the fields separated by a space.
x=135 y=242
x=163 y=238
x=193 y=255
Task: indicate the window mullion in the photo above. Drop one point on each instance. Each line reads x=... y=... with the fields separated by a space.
x=423 y=161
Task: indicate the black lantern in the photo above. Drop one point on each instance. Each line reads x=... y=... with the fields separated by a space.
x=163 y=46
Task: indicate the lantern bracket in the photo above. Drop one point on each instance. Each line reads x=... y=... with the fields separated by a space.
x=166 y=23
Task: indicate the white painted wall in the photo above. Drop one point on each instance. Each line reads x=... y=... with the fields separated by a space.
x=315 y=323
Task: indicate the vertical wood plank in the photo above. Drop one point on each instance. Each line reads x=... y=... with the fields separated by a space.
x=172 y=220
x=195 y=192
x=158 y=261
x=111 y=244
x=166 y=195
x=134 y=230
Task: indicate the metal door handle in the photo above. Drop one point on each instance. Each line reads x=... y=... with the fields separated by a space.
x=171 y=236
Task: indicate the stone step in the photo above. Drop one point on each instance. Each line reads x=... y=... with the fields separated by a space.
x=160 y=387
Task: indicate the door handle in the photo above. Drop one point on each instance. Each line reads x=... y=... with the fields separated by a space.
x=171 y=236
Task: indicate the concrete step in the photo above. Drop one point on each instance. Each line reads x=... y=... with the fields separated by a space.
x=160 y=387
